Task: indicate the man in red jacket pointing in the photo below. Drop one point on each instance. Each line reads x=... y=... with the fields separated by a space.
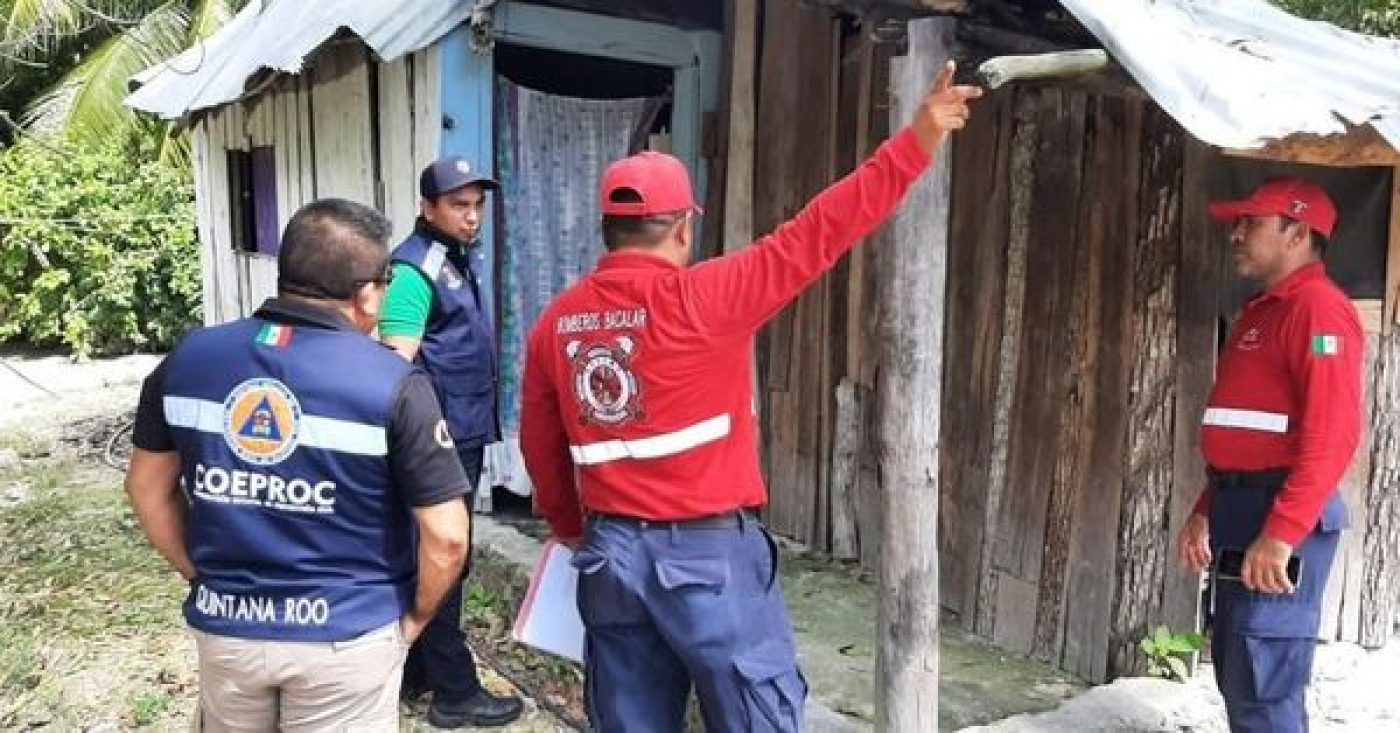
x=638 y=431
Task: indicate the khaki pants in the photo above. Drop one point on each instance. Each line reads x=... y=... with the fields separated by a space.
x=255 y=685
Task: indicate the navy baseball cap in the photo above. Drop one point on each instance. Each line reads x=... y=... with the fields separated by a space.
x=451 y=173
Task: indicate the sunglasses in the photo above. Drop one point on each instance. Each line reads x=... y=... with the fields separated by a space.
x=384 y=279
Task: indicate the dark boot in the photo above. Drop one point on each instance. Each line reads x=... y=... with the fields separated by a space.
x=481 y=710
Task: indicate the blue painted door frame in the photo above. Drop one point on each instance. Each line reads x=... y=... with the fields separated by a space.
x=468 y=92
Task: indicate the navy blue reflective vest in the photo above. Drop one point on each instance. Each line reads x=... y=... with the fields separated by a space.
x=295 y=529
x=458 y=350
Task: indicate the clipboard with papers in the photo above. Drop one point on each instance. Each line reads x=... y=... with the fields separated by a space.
x=548 y=619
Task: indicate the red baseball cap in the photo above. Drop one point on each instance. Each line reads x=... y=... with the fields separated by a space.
x=659 y=179
x=1294 y=198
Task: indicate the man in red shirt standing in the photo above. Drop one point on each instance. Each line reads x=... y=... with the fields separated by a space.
x=1282 y=423
x=638 y=431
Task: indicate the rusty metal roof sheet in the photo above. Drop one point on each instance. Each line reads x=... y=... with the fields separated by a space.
x=1239 y=73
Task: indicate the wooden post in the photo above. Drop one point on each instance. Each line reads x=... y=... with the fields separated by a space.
x=911 y=359
x=738 y=169
x=1380 y=520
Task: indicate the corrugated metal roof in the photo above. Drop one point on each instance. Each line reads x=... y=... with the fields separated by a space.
x=279 y=35
x=1237 y=73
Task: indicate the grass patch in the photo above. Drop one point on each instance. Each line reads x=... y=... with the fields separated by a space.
x=148 y=707
x=74 y=563
x=86 y=605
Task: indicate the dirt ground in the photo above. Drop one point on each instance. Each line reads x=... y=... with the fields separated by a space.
x=91 y=637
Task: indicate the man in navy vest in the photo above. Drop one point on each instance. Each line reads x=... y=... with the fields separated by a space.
x=435 y=314
x=321 y=522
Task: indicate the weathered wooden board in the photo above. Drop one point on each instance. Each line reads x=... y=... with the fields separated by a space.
x=1143 y=545
x=1081 y=647
x=976 y=297
x=342 y=123
x=1199 y=283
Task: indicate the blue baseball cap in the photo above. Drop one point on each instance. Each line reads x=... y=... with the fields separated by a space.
x=451 y=173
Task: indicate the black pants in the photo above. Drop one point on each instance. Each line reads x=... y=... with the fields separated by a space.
x=440 y=660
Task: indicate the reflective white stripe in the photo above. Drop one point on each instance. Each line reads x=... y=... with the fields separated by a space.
x=202 y=415
x=329 y=433
x=343 y=436
x=655 y=446
x=432 y=262
x=1225 y=417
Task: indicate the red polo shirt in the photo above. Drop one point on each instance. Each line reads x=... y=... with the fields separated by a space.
x=636 y=397
x=1288 y=395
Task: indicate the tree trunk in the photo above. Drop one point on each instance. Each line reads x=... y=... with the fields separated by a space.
x=914 y=277
x=1380 y=518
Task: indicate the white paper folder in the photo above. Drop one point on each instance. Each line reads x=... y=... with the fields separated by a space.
x=548 y=619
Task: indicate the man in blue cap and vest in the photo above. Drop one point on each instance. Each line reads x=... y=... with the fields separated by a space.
x=436 y=315
x=321 y=521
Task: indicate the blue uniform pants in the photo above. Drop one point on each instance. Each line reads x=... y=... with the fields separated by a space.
x=670 y=607
x=440 y=660
x=1262 y=644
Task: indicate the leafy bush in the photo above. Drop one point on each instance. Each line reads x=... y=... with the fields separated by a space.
x=1167 y=652
x=1377 y=17
x=97 y=254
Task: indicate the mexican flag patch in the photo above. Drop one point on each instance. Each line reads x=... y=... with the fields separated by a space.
x=274 y=335
x=1326 y=344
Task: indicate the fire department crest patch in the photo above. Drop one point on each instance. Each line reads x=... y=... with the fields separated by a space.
x=604 y=385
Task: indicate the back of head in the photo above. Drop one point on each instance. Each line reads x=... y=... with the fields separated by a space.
x=330 y=247
x=643 y=197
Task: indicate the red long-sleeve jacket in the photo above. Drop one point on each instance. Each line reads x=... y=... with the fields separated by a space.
x=1288 y=395
x=636 y=394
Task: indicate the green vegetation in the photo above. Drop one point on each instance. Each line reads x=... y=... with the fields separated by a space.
x=1167 y=652
x=70 y=61
x=96 y=255
x=147 y=707
x=1377 y=17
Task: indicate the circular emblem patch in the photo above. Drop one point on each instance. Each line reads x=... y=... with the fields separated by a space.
x=603 y=381
x=262 y=421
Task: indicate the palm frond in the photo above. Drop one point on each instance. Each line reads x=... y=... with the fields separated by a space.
x=207 y=15
x=87 y=103
x=32 y=24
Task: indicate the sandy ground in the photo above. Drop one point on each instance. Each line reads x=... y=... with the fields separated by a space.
x=1352 y=690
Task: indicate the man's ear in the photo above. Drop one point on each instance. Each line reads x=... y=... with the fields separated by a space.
x=1301 y=235
x=367 y=303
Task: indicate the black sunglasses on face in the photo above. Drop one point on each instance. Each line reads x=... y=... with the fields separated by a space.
x=384 y=279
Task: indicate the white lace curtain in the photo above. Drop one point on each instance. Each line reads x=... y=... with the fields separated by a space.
x=550 y=153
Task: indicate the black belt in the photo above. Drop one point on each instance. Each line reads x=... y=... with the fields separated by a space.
x=726 y=520
x=1264 y=479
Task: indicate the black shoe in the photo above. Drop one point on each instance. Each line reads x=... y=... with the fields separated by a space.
x=482 y=709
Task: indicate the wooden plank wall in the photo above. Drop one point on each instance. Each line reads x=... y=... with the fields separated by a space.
x=797 y=63
x=814 y=69
x=218 y=133
x=342 y=123
x=1069 y=329
x=1060 y=409
x=328 y=139
x=1082 y=321
x=408 y=130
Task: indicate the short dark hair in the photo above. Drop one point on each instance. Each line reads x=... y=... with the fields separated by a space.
x=331 y=247
x=635 y=231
